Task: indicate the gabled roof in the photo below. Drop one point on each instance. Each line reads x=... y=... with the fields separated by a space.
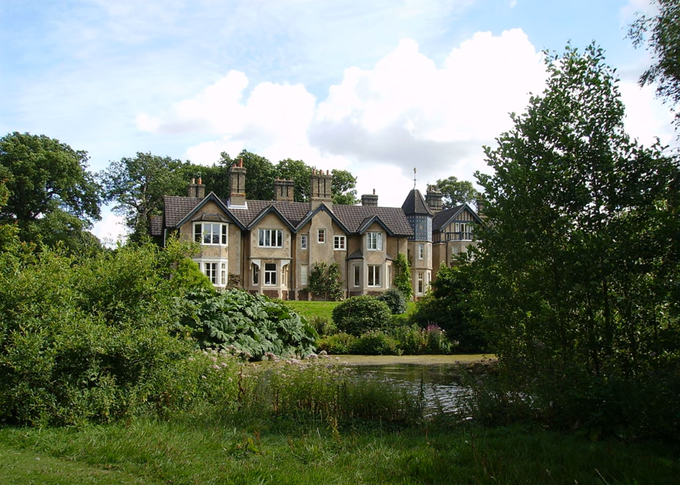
x=446 y=217
x=415 y=204
x=351 y=218
x=211 y=197
x=293 y=213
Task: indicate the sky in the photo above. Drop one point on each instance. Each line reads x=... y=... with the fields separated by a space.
x=376 y=87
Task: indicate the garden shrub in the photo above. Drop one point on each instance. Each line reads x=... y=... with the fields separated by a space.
x=395 y=300
x=360 y=314
x=251 y=324
x=76 y=344
x=339 y=343
x=375 y=342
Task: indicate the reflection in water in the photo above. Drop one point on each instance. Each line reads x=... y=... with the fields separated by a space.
x=440 y=383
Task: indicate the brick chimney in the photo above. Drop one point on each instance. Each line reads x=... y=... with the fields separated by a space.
x=433 y=198
x=284 y=190
x=196 y=189
x=369 y=200
x=237 y=184
x=321 y=189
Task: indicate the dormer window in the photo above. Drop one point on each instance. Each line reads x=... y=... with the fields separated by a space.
x=210 y=233
x=374 y=241
x=271 y=238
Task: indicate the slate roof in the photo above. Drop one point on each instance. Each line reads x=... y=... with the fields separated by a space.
x=445 y=217
x=415 y=204
x=295 y=214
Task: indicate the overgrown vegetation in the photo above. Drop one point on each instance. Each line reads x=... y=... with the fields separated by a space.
x=249 y=324
x=577 y=275
x=324 y=281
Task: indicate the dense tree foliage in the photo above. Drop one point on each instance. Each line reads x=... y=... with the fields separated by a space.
x=89 y=339
x=456 y=192
x=449 y=305
x=324 y=281
x=342 y=187
x=137 y=186
x=51 y=196
x=577 y=273
x=661 y=35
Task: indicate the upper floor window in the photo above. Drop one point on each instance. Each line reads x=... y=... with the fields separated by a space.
x=210 y=233
x=321 y=236
x=303 y=241
x=271 y=238
x=339 y=243
x=374 y=241
x=421 y=251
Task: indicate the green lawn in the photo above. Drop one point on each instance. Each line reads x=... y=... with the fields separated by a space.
x=213 y=451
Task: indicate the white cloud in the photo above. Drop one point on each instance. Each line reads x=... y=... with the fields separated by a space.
x=380 y=123
x=110 y=229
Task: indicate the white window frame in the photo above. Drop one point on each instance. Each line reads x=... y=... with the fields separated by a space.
x=421 y=251
x=357 y=275
x=304 y=241
x=270 y=238
x=270 y=275
x=203 y=230
x=304 y=274
x=215 y=269
x=255 y=275
x=374 y=241
x=321 y=236
x=420 y=283
x=374 y=275
x=339 y=243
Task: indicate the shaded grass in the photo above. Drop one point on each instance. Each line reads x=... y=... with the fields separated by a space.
x=209 y=449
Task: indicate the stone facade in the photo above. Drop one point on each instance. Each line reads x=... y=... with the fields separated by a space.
x=270 y=247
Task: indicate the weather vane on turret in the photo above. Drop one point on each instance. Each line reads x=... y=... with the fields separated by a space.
x=414 y=178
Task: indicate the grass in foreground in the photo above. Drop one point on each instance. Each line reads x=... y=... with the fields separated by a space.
x=188 y=450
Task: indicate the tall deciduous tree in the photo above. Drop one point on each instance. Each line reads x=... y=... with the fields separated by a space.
x=260 y=174
x=51 y=194
x=342 y=187
x=661 y=35
x=299 y=173
x=456 y=192
x=137 y=186
x=577 y=272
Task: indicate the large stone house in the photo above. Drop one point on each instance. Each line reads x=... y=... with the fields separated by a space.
x=271 y=246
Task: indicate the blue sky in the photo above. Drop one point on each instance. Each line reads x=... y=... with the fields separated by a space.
x=376 y=87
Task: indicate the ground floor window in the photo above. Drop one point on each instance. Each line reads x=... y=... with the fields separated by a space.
x=373 y=275
x=421 y=283
x=270 y=274
x=357 y=275
x=216 y=271
x=303 y=274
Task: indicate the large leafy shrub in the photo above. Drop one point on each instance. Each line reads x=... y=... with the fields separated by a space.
x=395 y=300
x=449 y=305
x=375 y=342
x=324 y=281
x=360 y=314
x=251 y=324
x=87 y=340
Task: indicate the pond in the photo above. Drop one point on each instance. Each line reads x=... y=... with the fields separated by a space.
x=439 y=377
